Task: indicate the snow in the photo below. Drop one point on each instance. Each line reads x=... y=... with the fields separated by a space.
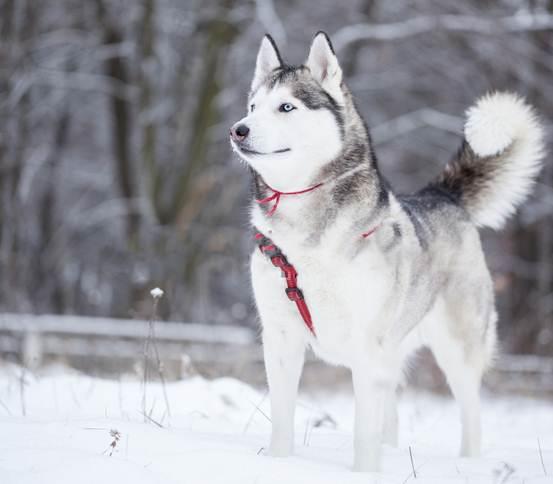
x=217 y=429
x=156 y=292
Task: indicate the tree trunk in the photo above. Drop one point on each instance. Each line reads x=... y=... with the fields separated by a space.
x=116 y=68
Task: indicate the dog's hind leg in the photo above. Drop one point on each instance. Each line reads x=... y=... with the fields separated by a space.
x=464 y=381
x=462 y=350
x=284 y=357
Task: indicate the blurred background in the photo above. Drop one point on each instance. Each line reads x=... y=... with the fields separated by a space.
x=116 y=174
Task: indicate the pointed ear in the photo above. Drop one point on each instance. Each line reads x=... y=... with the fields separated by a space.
x=268 y=58
x=323 y=64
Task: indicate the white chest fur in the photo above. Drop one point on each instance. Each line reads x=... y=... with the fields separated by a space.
x=344 y=293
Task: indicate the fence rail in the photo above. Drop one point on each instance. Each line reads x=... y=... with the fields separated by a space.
x=125 y=328
x=108 y=346
x=111 y=346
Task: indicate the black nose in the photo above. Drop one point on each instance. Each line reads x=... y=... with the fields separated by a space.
x=240 y=132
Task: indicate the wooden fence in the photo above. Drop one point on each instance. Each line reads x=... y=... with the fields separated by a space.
x=110 y=347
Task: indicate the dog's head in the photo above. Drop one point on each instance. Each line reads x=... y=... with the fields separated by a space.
x=295 y=120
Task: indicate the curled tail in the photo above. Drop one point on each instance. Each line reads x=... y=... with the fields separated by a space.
x=499 y=160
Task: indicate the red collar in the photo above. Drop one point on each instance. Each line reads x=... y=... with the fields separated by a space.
x=278 y=259
x=277 y=194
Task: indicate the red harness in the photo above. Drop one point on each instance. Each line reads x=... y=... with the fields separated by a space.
x=278 y=259
x=294 y=293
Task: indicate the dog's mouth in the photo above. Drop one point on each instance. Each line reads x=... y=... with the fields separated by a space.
x=253 y=152
x=248 y=151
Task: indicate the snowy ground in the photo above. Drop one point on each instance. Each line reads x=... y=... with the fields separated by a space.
x=217 y=428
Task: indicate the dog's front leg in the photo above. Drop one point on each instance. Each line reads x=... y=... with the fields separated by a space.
x=373 y=388
x=390 y=435
x=284 y=356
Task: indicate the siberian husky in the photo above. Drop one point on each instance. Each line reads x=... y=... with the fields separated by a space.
x=376 y=274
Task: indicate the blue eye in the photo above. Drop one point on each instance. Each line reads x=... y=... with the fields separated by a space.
x=286 y=108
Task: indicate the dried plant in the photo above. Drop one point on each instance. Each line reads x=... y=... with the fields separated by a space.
x=151 y=343
x=116 y=437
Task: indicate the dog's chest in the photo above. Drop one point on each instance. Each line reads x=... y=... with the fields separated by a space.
x=344 y=294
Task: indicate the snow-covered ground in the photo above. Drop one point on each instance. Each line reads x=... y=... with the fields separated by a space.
x=217 y=429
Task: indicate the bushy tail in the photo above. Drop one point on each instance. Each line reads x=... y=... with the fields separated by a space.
x=499 y=160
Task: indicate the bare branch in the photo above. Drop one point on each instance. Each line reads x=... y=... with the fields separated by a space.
x=266 y=13
x=521 y=22
x=414 y=120
x=82 y=81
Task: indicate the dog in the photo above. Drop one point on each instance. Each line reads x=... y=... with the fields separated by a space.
x=370 y=276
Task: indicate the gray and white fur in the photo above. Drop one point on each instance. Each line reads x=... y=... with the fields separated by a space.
x=419 y=280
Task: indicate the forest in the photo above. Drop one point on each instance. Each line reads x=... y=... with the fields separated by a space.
x=116 y=174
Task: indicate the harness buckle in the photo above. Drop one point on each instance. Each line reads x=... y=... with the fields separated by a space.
x=290 y=274
x=294 y=294
x=279 y=261
x=270 y=250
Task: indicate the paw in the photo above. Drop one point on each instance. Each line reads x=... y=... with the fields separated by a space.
x=366 y=466
x=367 y=463
x=279 y=450
x=470 y=452
x=390 y=436
x=391 y=440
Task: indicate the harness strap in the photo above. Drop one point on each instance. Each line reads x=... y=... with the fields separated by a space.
x=293 y=292
x=269 y=249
